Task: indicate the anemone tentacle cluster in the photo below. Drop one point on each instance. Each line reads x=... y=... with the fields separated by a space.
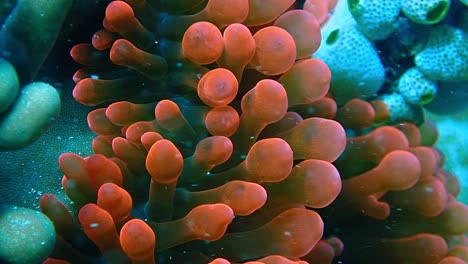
x=218 y=141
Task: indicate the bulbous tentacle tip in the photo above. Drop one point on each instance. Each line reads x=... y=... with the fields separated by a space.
x=161 y=154
x=202 y=43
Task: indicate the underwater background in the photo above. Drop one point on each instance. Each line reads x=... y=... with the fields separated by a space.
x=31 y=170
